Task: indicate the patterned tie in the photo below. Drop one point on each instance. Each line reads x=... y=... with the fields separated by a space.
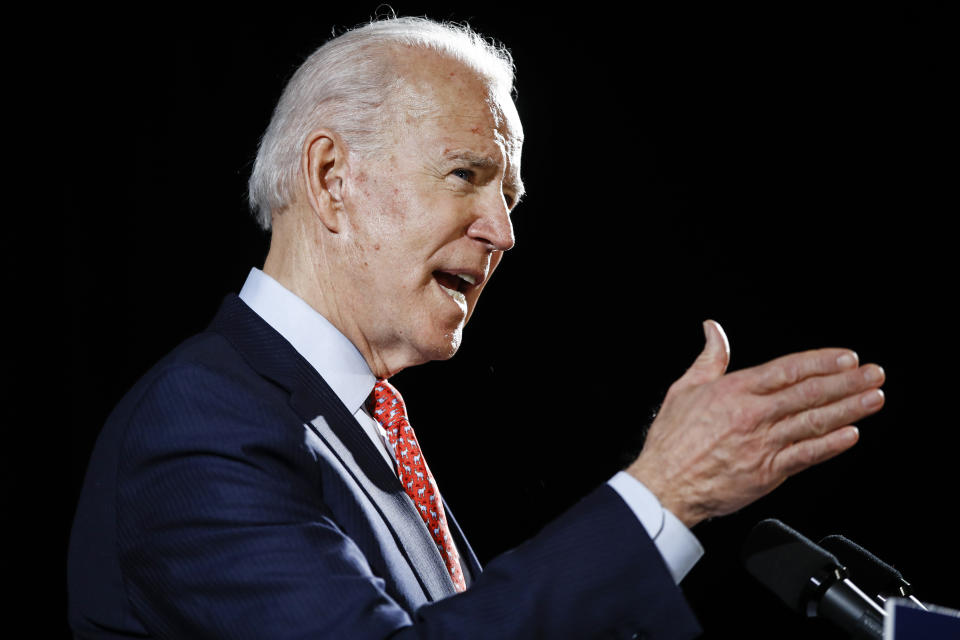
x=387 y=407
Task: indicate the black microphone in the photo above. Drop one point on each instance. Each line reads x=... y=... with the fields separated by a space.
x=809 y=579
x=877 y=578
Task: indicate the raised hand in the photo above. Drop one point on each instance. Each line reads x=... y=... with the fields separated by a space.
x=720 y=441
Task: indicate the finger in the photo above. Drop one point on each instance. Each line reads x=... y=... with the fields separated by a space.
x=713 y=360
x=796 y=367
x=806 y=453
x=820 y=391
x=822 y=420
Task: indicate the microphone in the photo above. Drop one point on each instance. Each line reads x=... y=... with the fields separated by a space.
x=878 y=578
x=809 y=579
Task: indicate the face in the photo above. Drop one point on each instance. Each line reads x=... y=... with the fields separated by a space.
x=429 y=216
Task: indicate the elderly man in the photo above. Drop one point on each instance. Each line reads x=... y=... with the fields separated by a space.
x=263 y=480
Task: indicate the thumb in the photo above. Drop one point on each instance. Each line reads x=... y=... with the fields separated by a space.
x=713 y=360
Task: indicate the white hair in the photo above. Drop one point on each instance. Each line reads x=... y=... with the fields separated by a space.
x=344 y=84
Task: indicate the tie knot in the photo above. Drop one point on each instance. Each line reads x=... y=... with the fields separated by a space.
x=386 y=403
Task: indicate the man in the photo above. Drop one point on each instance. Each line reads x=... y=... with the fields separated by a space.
x=247 y=487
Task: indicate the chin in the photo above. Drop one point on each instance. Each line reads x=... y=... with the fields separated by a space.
x=454 y=343
x=446 y=346
x=451 y=345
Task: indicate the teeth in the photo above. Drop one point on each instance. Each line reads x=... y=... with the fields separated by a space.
x=458 y=297
x=469 y=278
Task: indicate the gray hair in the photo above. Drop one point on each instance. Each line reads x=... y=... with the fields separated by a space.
x=342 y=86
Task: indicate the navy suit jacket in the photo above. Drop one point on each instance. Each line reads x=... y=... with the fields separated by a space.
x=232 y=495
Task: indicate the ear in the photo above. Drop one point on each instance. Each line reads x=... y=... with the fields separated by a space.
x=324 y=164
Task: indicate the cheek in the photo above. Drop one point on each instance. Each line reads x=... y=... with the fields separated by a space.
x=377 y=220
x=376 y=192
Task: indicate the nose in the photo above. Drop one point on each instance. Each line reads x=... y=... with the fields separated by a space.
x=492 y=224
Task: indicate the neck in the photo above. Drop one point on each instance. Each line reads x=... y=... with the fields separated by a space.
x=303 y=266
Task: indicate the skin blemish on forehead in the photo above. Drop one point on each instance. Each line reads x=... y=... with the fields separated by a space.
x=475 y=130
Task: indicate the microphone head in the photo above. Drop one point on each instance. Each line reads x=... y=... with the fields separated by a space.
x=790 y=565
x=873 y=575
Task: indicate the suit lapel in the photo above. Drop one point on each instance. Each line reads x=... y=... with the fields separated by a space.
x=397 y=510
x=320 y=408
x=468 y=559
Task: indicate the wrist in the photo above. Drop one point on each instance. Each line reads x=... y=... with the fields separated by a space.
x=670 y=494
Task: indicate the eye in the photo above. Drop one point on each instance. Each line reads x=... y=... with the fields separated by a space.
x=510 y=200
x=463 y=174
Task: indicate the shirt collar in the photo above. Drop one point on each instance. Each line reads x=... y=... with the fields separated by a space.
x=327 y=350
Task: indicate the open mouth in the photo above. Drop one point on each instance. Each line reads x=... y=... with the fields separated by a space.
x=455 y=284
x=455 y=281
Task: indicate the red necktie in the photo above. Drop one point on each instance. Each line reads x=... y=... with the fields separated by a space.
x=388 y=409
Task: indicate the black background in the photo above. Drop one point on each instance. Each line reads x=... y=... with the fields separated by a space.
x=788 y=172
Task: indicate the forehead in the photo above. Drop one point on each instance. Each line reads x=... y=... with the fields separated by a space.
x=446 y=99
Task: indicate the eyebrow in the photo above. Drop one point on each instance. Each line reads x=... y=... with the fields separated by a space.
x=486 y=162
x=474 y=159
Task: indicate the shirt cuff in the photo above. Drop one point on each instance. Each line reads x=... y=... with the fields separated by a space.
x=677 y=544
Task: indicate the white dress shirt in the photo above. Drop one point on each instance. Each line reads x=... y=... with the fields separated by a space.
x=342 y=366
